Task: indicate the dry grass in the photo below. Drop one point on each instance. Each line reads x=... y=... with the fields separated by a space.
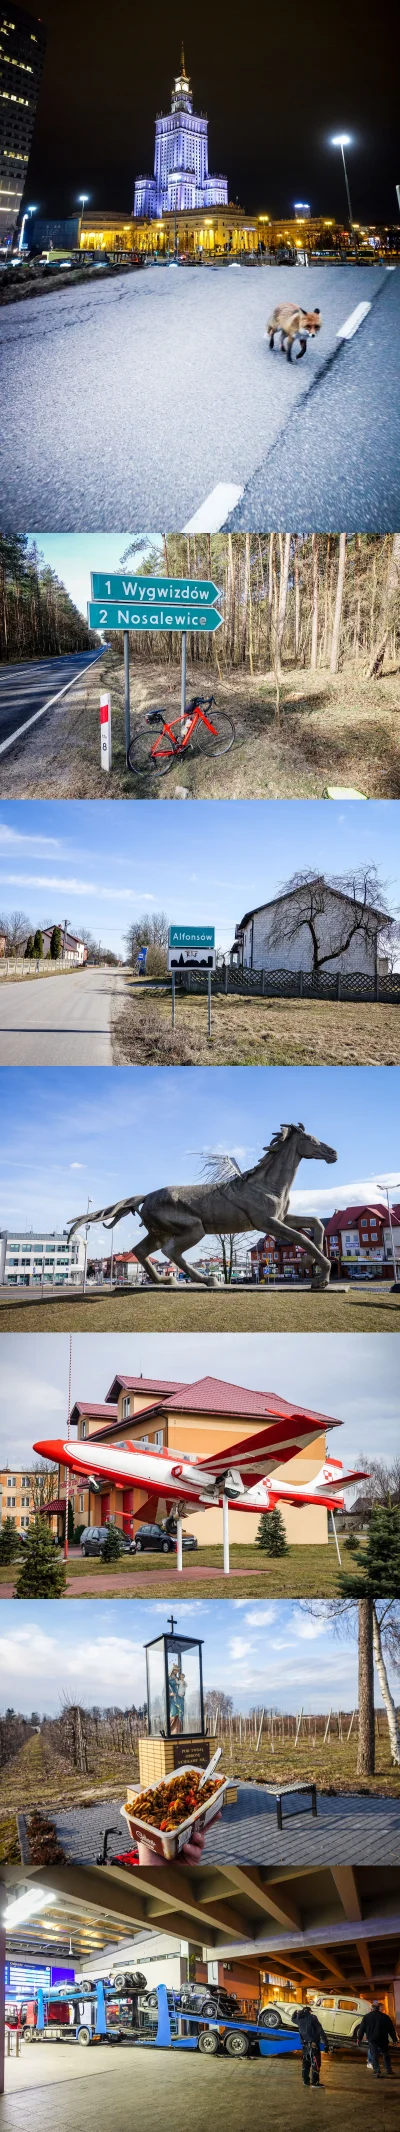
x=252 y=1032
x=338 y=730
x=213 y=1310
x=37 y=1777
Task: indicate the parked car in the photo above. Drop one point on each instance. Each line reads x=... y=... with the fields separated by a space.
x=93 y=1540
x=339 y=2016
x=159 y=1539
x=209 y=1999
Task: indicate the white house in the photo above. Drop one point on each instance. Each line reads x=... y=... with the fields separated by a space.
x=27 y=1261
x=298 y=929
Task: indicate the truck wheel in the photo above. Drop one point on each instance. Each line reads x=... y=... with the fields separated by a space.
x=237 y=2044
x=209 y=2043
x=84 y=2036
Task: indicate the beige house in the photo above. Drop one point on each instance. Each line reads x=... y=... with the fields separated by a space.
x=194 y=1418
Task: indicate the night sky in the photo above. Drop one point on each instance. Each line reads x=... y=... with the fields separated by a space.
x=275 y=85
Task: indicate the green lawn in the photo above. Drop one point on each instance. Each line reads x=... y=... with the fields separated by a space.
x=305 y=1572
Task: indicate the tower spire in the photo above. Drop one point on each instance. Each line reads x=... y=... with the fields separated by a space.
x=183 y=68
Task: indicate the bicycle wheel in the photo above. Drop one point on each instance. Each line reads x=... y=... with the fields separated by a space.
x=140 y=758
x=218 y=743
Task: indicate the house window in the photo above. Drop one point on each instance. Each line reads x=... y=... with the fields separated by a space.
x=84 y=1428
x=126 y=1407
x=81 y=1502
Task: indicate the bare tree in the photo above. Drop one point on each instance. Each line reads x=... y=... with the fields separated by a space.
x=335 y=645
x=15 y=925
x=151 y=933
x=392 y=607
x=42 y=1484
x=330 y=925
x=377 y=1626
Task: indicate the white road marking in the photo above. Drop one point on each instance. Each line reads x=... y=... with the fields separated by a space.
x=215 y=510
x=4 y=744
x=351 y=324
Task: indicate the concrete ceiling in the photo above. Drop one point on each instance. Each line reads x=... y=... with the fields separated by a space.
x=334 y=1924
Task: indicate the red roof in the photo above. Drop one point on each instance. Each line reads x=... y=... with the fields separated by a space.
x=211 y=1395
x=346 y=1216
x=143 y=1384
x=91 y=1406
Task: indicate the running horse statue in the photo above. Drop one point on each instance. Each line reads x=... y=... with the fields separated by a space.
x=177 y=1217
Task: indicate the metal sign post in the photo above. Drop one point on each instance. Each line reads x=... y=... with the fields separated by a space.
x=184 y=605
x=183 y=686
x=191 y=947
x=127 y=706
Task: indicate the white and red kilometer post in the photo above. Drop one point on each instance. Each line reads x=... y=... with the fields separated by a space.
x=105 y=733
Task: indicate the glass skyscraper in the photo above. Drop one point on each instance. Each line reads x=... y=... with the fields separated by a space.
x=181 y=175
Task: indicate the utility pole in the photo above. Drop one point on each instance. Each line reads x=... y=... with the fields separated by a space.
x=67 y=1467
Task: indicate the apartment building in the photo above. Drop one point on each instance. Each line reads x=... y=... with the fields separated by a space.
x=36 y=1259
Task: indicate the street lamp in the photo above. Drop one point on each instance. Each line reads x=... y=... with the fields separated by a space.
x=385 y=1188
x=28 y=211
x=83 y=197
x=343 y=140
x=89 y=1204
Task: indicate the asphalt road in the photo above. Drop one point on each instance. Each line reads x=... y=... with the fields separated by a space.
x=134 y=401
x=27 y=690
x=58 y=1021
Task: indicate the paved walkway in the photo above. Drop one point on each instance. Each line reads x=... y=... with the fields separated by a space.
x=351 y=1827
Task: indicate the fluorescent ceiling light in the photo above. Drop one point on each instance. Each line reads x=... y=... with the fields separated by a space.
x=27 y=1905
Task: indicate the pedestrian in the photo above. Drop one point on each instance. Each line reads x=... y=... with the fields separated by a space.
x=378 y=2029
x=312 y=2035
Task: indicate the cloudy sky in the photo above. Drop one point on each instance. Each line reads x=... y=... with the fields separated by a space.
x=349 y=1376
x=271 y=1654
x=105 y=863
x=66 y=1134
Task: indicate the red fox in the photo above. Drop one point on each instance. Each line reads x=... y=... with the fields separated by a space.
x=293 y=324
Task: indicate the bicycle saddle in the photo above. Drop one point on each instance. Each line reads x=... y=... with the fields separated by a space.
x=154 y=717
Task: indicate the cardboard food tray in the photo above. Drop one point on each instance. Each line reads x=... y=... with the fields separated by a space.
x=167 y=1843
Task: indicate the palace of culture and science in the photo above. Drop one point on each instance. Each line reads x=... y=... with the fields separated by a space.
x=181 y=176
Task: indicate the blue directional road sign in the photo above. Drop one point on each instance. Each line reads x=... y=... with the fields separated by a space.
x=153 y=591
x=191 y=936
x=109 y=614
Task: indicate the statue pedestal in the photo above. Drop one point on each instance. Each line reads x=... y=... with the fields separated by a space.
x=158 y=1758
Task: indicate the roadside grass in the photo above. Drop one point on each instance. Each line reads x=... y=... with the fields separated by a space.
x=333 y=729
x=251 y=1032
x=211 y=1310
x=306 y=1571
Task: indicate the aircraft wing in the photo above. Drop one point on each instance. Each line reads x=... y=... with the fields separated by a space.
x=256 y=1456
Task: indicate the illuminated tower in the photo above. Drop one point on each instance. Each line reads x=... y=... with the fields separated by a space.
x=181 y=176
x=22 y=50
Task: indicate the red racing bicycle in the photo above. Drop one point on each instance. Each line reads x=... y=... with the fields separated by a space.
x=196 y=733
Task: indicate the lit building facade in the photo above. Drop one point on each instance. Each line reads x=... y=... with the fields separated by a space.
x=16 y=1497
x=22 y=50
x=181 y=179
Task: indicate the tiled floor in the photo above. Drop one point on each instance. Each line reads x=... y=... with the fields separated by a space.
x=351 y=1828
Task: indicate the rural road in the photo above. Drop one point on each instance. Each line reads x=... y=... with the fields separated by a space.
x=58 y=1021
x=27 y=690
x=150 y=399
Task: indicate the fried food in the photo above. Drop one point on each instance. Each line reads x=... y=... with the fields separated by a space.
x=168 y=1804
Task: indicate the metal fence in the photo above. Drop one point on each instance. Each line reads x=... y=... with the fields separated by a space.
x=296 y=984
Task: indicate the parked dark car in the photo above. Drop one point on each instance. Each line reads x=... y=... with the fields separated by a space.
x=209 y=1999
x=159 y=1539
x=93 y=1540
